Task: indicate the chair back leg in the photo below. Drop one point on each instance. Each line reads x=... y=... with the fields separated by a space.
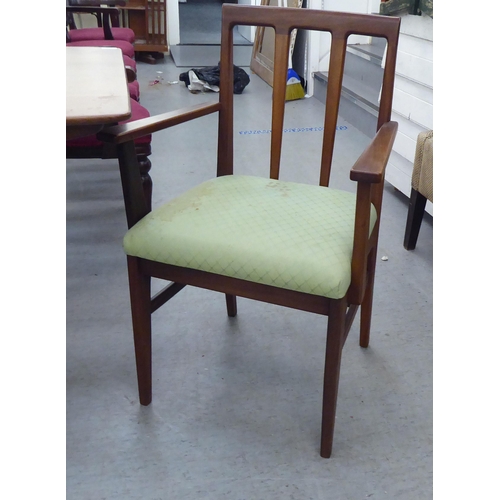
x=231 y=305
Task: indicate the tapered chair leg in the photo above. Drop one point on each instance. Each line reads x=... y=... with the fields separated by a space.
x=140 y=300
x=416 y=211
x=232 y=308
x=367 y=304
x=334 y=343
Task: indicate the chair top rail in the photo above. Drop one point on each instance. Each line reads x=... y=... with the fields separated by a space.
x=284 y=20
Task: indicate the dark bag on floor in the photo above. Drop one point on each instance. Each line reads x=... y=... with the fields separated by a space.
x=211 y=75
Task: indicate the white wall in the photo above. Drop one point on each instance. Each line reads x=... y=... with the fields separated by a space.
x=319 y=43
x=248 y=31
x=173 y=33
x=375 y=7
x=348 y=5
x=413 y=97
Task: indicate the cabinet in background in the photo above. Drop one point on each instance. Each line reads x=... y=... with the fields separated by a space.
x=148 y=19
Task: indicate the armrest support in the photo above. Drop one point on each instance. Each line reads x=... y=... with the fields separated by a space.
x=119 y=134
x=131 y=74
x=370 y=166
x=368 y=170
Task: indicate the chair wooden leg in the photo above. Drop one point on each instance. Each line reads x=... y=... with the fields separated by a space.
x=366 y=306
x=147 y=183
x=232 y=308
x=334 y=344
x=140 y=300
x=416 y=211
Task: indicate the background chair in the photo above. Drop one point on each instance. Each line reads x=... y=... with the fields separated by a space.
x=102 y=36
x=421 y=188
x=306 y=247
x=107 y=18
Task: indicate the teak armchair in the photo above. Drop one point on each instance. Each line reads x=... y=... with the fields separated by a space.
x=307 y=247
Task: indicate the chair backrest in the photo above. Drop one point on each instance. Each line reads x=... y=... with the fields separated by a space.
x=284 y=21
x=340 y=25
x=105 y=12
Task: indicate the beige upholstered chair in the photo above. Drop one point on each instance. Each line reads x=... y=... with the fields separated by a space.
x=421 y=188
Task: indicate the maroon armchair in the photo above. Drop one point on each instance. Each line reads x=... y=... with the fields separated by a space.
x=107 y=17
x=108 y=33
x=104 y=35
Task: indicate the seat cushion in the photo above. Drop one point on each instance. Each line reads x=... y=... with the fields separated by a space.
x=126 y=47
x=288 y=235
x=91 y=141
x=80 y=34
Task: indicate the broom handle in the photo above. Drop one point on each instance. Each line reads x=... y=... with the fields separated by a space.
x=281 y=3
x=292 y=46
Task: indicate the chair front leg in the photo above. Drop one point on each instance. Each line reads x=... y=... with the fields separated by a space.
x=334 y=343
x=140 y=301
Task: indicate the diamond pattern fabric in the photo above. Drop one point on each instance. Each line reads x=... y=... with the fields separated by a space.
x=289 y=235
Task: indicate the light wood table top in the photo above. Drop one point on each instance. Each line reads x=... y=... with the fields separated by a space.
x=96 y=89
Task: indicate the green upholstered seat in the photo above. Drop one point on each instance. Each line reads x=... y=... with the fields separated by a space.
x=289 y=235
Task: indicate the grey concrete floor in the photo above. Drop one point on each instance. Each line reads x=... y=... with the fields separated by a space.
x=237 y=402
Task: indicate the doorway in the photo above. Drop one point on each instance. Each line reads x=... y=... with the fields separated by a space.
x=199 y=35
x=200 y=23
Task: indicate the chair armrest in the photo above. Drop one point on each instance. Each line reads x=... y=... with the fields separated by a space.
x=370 y=166
x=86 y=9
x=131 y=74
x=119 y=134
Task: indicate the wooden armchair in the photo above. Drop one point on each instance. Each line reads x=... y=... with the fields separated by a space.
x=307 y=247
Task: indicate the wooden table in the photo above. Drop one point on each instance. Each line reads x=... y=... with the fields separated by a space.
x=96 y=89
